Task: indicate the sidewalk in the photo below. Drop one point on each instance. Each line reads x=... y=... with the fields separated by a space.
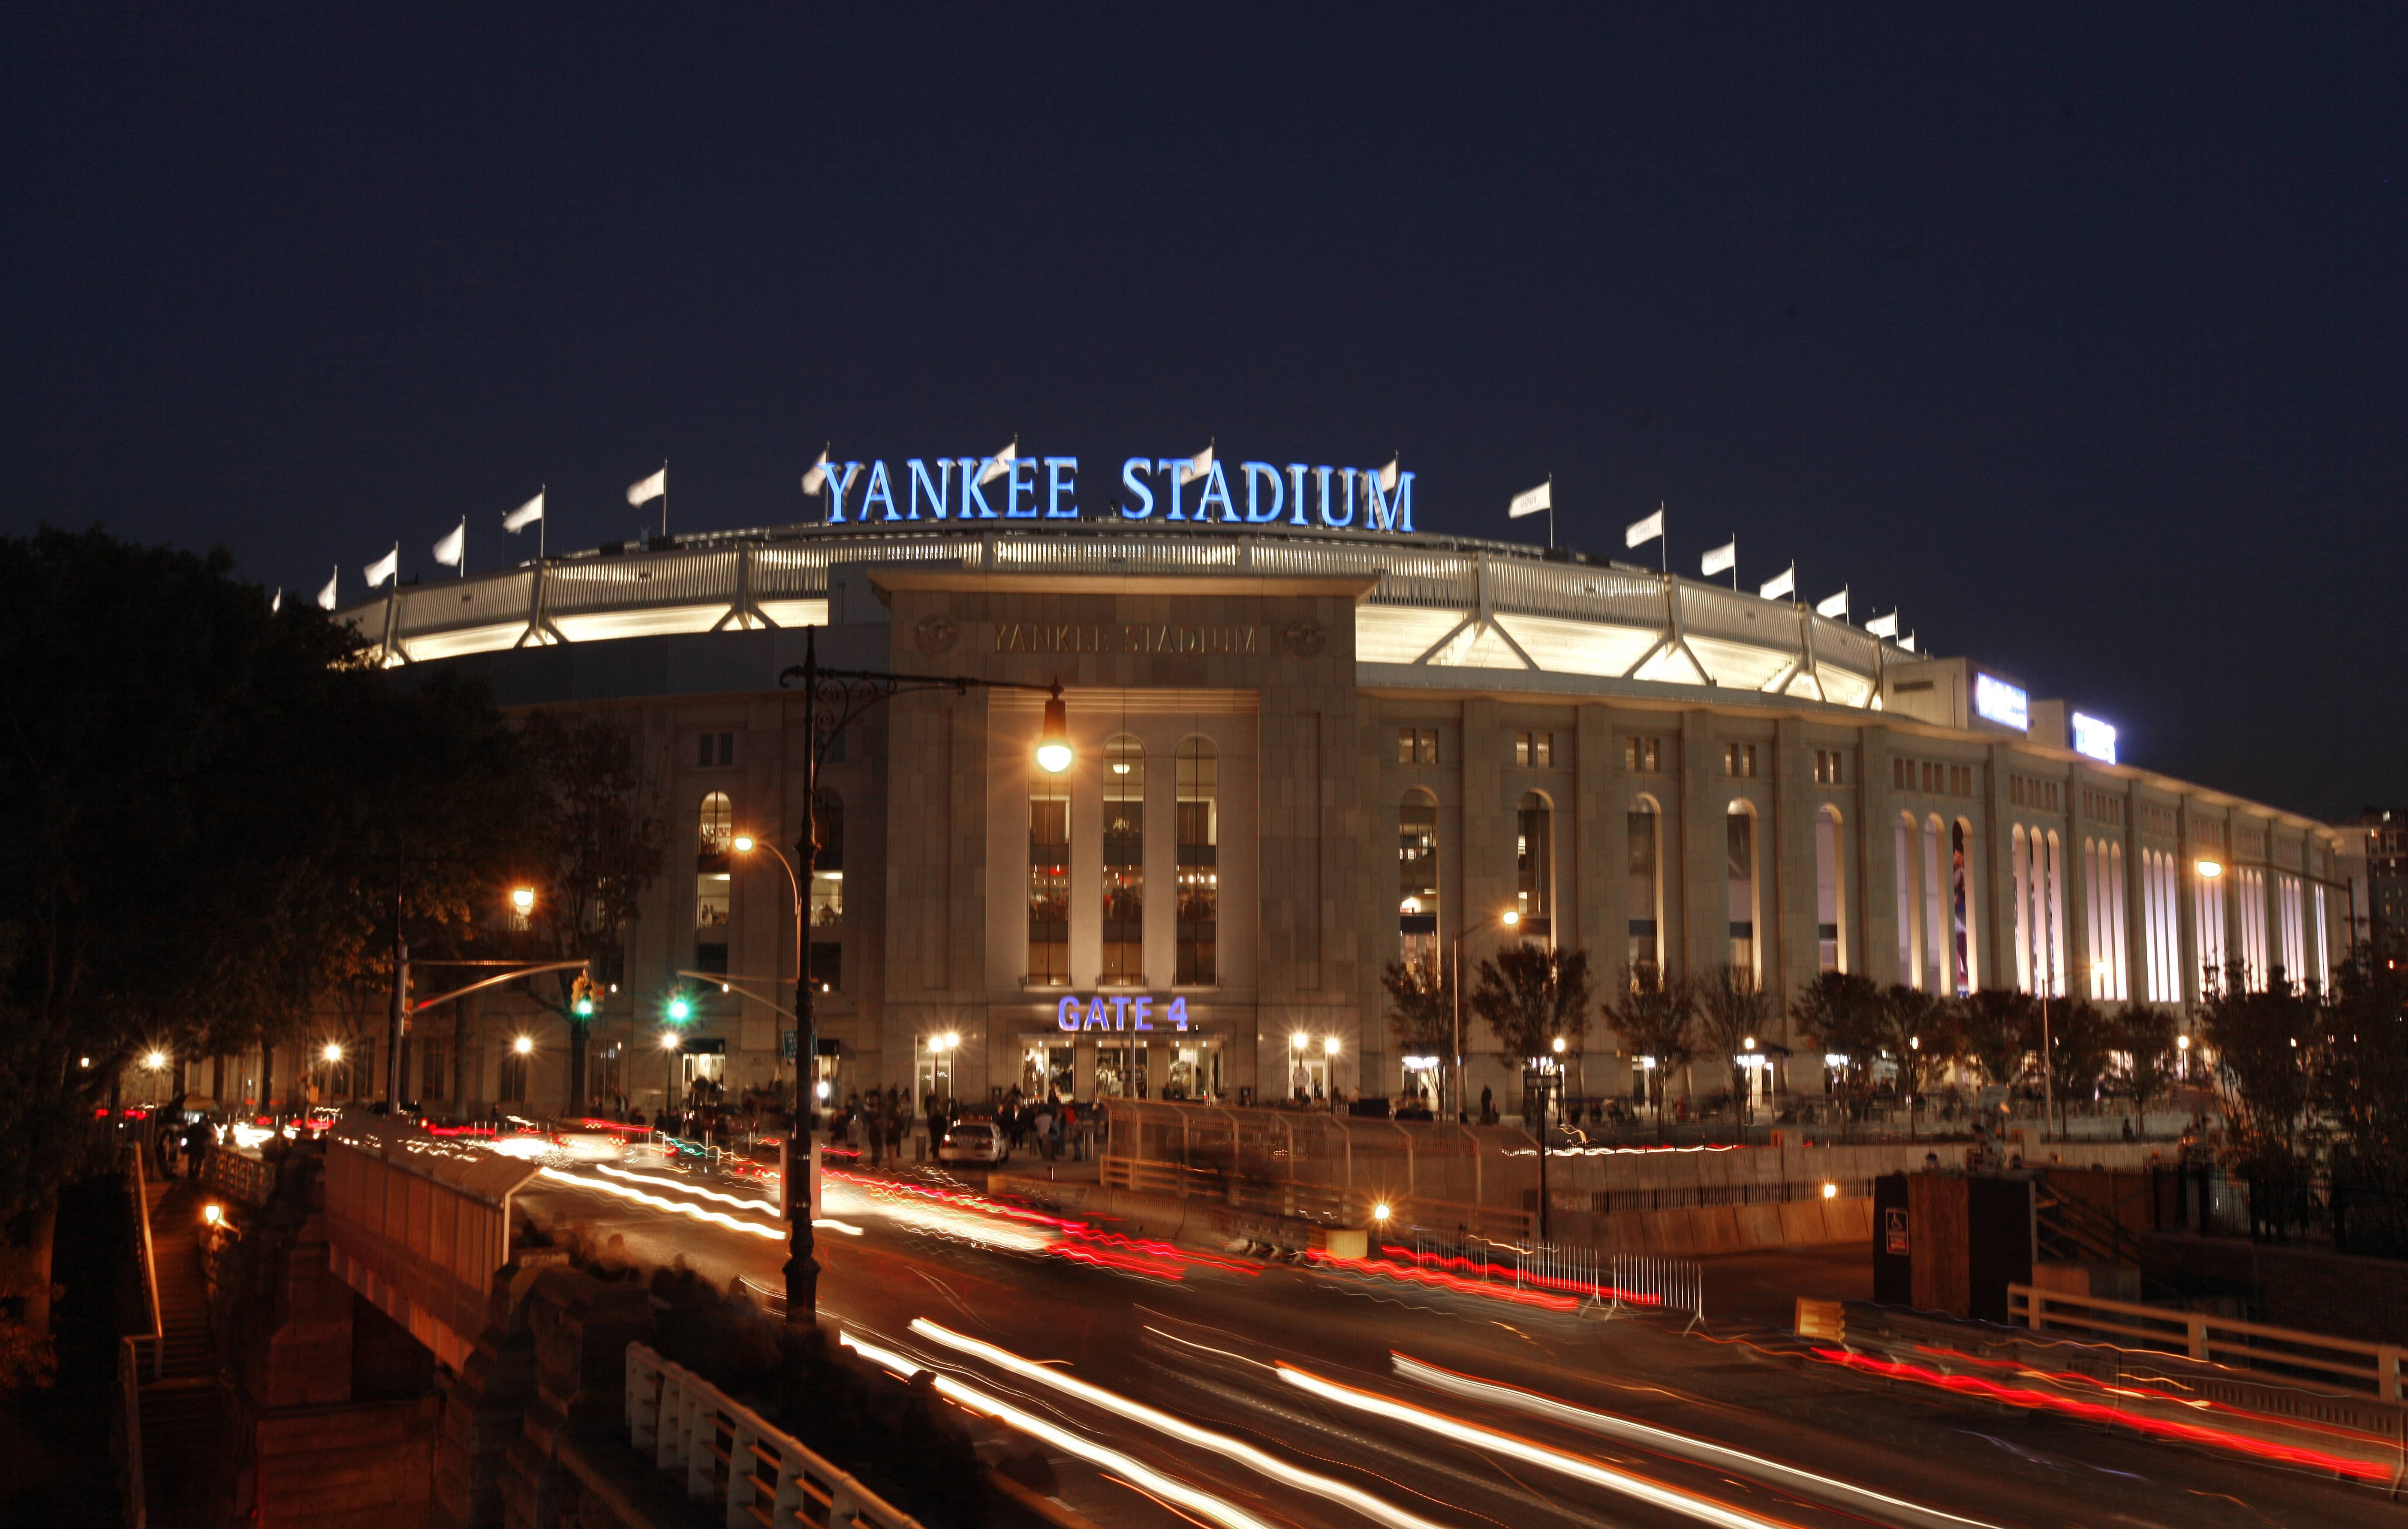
x=1760 y=1291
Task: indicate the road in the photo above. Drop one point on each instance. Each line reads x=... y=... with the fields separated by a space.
x=1169 y=1388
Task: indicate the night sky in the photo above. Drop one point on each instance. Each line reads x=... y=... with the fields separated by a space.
x=2075 y=333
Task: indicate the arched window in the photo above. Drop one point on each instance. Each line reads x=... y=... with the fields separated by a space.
x=2055 y=921
x=1534 y=866
x=828 y=865
x=1738 y=843
x=2207 y=910
x=1417 y=880
x=1049 y=879
x=2249 y=913
x=1646 y=887
x=2019 y=858
x=718 y=823
x=1909 y=946
x=1935 y=910
x=1965 y=964
x=1830 y=951
x=1124 y=911
x=1198 y=865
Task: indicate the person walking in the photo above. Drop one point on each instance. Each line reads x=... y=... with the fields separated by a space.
x=198 y=1139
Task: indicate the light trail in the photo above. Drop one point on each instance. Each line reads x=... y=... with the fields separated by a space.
x=1413 y=1274
x=1537 y=1405
x=1269 y=1464
x=1579 y=1467
x=1227 y=1514
x=683 y=1208
x=688 y=1188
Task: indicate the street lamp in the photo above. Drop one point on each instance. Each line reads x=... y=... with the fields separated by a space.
x=522 y=900
x=670 y=1041
x=833 y=698
x=1508 y=919
x=523 y=1046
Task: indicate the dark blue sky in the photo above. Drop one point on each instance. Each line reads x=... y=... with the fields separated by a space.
x=2078 y=335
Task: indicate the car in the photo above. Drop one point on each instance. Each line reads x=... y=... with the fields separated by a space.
x=974 y=1142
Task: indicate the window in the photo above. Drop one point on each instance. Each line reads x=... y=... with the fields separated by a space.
x=1417 y=881
x=2249 y=915
x=1739 y=759
x=714 y=750
x=2207 y=912
x=1536 y=750
x=511 y=1087
x=1961 y=923
x=2321 y=957
x=1646 y=892
x=1935 y=911
x=2040 y=794
x=1904 y=843
x=2160 y=930
x=1199 y=834
x=1533 y=866
x=1738 y=842
x=1049 y=881
x=1416 y=745
x=2290 y=908
x=827 y=966
x=610 y=1072
x=1123 y=860
x=2210 y=835
x=828 y=865
x=718 y=823
x=2040 y=913
x=1830 y=768
x=434 y=1066
x=1643 y=756
x=2102 y=869
x=1830 y=956
x=2158 y=821
x=2102 y=806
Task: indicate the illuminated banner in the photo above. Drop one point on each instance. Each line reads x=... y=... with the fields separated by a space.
x=1123 y=1011
x=1154 y=488
x=2094 y=737
x=2002 y=702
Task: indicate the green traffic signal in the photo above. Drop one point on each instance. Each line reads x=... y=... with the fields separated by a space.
x=584 y=1009
x=679 y=1009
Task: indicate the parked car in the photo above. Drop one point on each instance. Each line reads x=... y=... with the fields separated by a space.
x=974 y=1142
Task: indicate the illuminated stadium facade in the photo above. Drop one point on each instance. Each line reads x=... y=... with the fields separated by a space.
x=1302 y=753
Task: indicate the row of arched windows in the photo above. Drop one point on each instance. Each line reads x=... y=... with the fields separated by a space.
x=714 y=885
x=1196 y=872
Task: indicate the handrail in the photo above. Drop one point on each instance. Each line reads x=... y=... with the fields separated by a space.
x=2196 y=1332
x=129 y=1402
x=156 y=1337
x=727 y=1452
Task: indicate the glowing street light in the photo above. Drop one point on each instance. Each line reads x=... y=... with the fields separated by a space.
x=2209 y=870
x=156 y=1059
x=333 y=1052
x=741 y=844
x=523 y=1046
x=1054 y=741
x=1329 y=1046
x=522 y=900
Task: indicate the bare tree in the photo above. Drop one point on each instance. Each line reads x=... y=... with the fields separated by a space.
x=1656 y=1016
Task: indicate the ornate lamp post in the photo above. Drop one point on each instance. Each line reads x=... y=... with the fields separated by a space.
x=832 y=700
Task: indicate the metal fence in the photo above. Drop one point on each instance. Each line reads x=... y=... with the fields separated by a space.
x=1616 y=1281
x=2370 y=1220
x=725 y=1452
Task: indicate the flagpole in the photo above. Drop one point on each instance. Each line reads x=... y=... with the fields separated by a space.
x=665 y=499
x=1663 y=544
x=1734 y=563
x=542 y=521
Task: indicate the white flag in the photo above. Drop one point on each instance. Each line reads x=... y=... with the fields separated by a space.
x=643 y=490
x=326 y=595
x=1719 y=557
x=524 y=516
x=1907 y=642
x=275 y=601
x=1531 y=501
x=1388 y=475
x=1646 y=530
x=1883 y=626
x=1836 y=606
x=1781 y=586
x=816 y=479
x=387 y=566
x=452 y=549
x=999 y=464
x=1199 y=465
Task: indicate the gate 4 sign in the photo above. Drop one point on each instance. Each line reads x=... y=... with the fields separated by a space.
x=1121 y=1012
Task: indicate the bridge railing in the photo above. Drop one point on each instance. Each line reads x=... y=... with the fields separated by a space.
x=726 y=1452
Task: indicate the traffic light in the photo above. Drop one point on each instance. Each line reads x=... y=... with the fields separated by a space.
x=580 y=996
x=680 y=1010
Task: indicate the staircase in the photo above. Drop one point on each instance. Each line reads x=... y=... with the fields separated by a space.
x=187 y=1410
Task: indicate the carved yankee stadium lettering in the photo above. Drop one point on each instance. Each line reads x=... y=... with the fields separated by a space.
x=1132 y=637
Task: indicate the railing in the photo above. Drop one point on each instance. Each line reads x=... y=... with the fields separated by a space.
x=156 y=1337
x=1618 y=1280
x=2371 y=1368
x=241 y=1176
x=1327 y=1204
x=129 y=1423
x=725 y=1452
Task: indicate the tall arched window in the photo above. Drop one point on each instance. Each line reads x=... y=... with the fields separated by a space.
x=1646 y=887
x=1932 y=869
x=828 y=865
x=1964 y=958
x=2019 y=860
x=1199 y=864
x=2119 y=929
x=1829 y=944
x=2055 y=922
x=1123 y=860
x=1739 y=845
x=2207 y=910
x=1049 y=879
x=2249 y=916
x=1909 y=967
x=718 y=823
x=1534 y=866
x=1417 y=880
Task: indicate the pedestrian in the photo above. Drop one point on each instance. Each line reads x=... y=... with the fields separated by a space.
x=876 y=1129
x=1044 y=1125
x=197 y=1141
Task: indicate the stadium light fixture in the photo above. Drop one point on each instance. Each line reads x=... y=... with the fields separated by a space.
x=523 y=1046
x=741 y=844
x=2209 y=870
x=522 y=900
x=1054 y=741
x=333 y=1052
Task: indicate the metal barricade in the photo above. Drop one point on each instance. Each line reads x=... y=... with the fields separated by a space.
x=1618 y=1282
x=725 y=1452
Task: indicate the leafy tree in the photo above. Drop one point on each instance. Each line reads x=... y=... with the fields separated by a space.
x=1920 y=1032
x=2362 y=1088
x=1529 y=994
x=2001 y=1030
x=1421 y=1008
x=2143 y=1036
x=2078 y=1041
x=2262 y=1073
x=1840 y=1014
x=1733 y=1012
x=598 y=842
x=1656 y=1016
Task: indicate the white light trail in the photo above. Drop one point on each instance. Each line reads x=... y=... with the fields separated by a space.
x=1720 y=1455
x=1270 y=1465
x=688 y=1186
x=1579 y=1467
x=1221 y=1513
x=683 y=1208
